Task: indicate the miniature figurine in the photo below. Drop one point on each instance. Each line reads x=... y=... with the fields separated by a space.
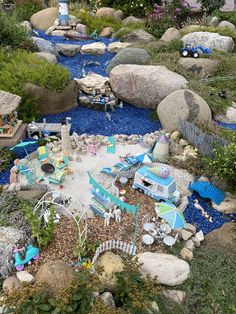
x=117 y=213
x=107 y=215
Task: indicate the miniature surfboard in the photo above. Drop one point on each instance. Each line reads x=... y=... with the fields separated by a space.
x=111 y=146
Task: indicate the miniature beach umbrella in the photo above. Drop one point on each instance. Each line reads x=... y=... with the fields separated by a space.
x=144 y=158
x=171 y=214
x=23 y=145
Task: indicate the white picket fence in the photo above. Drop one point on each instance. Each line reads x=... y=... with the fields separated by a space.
x=114 y=245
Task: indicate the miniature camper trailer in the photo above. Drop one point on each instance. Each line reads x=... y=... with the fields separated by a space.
x=158 y=187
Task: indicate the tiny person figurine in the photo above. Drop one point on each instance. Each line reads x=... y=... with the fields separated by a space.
x=107 y=216
x=117 y=213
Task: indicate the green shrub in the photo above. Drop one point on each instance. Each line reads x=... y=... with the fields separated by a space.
x=43 y=234
x=211 y=5
x=223 y=164
x=228 y=16
x=23 y=12
x=12 y=34
x=28 y=68
x=6 y=157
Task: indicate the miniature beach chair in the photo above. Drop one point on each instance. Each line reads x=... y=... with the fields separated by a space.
x=43 y=154
x=111 y=146
x=58 y=178
x=61 y=163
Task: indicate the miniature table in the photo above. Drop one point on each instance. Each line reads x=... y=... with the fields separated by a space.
x=48 y=168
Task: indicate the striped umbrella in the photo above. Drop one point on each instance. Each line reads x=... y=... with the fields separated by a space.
x=171 y=214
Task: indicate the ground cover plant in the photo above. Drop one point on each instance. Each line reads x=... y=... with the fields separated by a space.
x=210 y=6
x=28 y=68
x=24 y=9
x=210 y=289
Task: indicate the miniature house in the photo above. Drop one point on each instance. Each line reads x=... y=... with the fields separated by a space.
x=9 y=123
x=12 y=130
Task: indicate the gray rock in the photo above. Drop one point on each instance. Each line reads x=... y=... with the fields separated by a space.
x=176 y=149
x=200 y=236
x=171 y=34
x=58 y=32
x=227 y=206
x=106 y=32
x=47 y=56
x=107 y=298
x=186 y=254
x=143 y=85
x=117 y=47
x=139 y=36
x=175 y=137
x=183 y=204
x=29 y=195
x=129 y=56
x=189 y=245
x=68 y=50
x=226 y=24
x=154 y=308
x=184 y=104
x=173 y=296
x=81 y=28
x=167 y=269
x=92 y=82
x=24 y=277
x=186 y=235
x=94 y=48
x=44 y=45
x=214 y=21
x=196 y=241
x=44 y=19
x=11 y=283
x=119 y=15
x=229 y=116
x=201 y=67
x=183 y=142
x=105 y=12
x=209 y=40
x=191 y=228
x=9 y=238
x=27 y=25
x=133 y=20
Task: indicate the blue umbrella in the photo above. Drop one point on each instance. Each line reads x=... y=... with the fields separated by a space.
x=171 y=214
x=23 y=145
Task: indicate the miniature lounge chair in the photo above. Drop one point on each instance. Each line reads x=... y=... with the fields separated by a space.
x=61 y=162
x=58 y=178
x=43 y=154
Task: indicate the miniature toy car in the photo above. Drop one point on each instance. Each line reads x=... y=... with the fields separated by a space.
x=194 y=51
x=155 y=186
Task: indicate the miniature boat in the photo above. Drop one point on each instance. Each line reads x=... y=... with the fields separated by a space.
x=78 y=37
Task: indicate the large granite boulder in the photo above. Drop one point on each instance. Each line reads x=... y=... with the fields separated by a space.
x=129 y=56
x=117 y=46
x=68 y=50
x=111 y=264
x=226 y=24
x=144 y=86
x=94 y=49
x=92 y=82
x=105 y=12
x=51 y=102
x=201 y=67
x=139 y=36
x=171 y=34
x=55 y=276
x=209 y=40
x=44 y=19
x=133 y=20
x=167 y=269
x=50 y=57
x=184 y=104
x=44 y=45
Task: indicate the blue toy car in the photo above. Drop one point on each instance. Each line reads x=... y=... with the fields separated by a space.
x=194 y=51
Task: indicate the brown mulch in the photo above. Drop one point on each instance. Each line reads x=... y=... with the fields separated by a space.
x=125 y=230
x=62 y=247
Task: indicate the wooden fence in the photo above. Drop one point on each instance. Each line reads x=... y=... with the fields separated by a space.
x=114 y=245
x=196 y=137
